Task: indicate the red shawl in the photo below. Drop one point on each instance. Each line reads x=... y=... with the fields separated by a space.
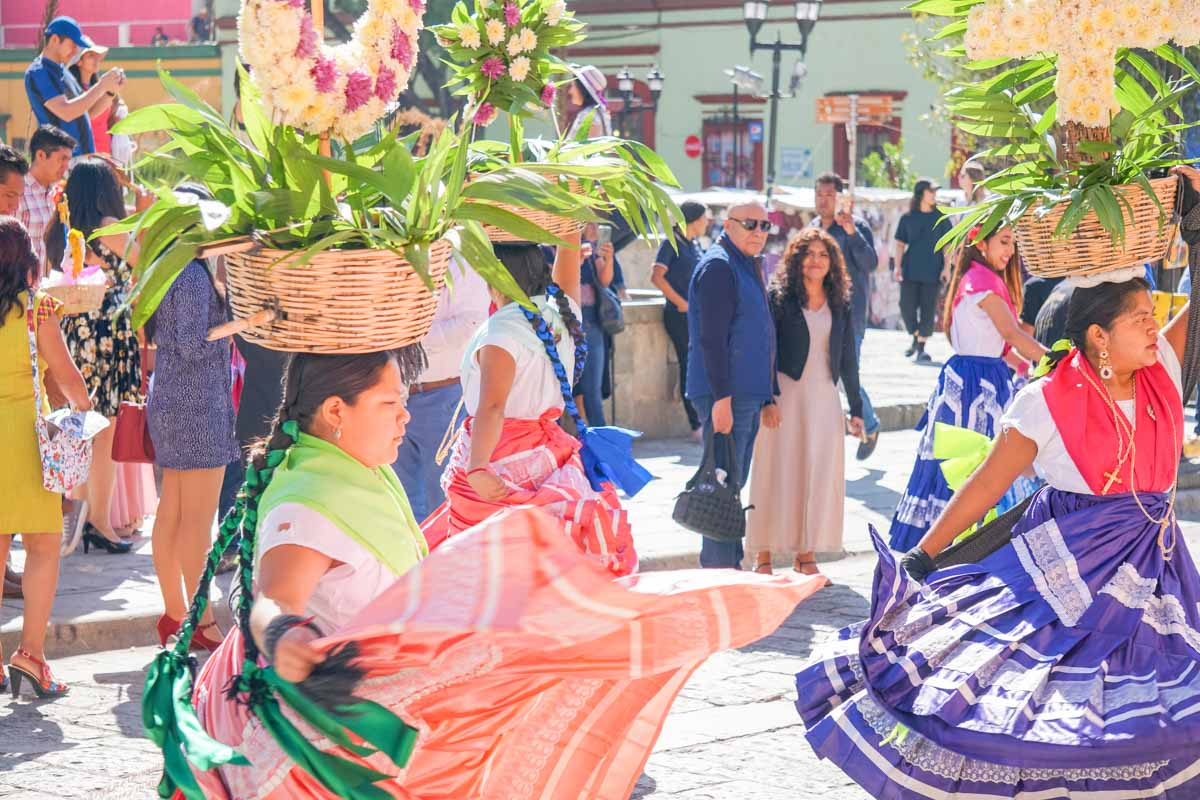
x=1086 y=425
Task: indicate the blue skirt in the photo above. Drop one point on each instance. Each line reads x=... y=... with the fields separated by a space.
x=1064 y=665
x=972 y=393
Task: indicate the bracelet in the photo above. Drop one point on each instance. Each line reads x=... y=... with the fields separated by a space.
x=283 y=623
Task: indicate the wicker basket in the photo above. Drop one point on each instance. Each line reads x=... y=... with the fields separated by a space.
x=342 y=301
x=80 y=298
x=1090 y=249
x=561 y=227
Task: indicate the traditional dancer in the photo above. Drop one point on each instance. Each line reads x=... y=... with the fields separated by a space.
x=1066 y=664
x=976 y=384
x=524 y=670
x=511 y=450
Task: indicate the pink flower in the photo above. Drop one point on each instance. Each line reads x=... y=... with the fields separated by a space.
x=385 y=84
x=512 y=15
x=308 y=38
x=485 y=114
x=325 y=74
x=358 y=89
x=295 y=3
x=548 y=93
x=402 y=49
x=492 y=68
x=417 y=5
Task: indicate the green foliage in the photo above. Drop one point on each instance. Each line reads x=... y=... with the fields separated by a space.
x=1012 y=106
x=891 y=170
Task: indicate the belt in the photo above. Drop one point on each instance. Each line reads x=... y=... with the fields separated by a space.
x=420 y=388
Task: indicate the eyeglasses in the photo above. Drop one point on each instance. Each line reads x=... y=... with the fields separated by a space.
x=763 y=225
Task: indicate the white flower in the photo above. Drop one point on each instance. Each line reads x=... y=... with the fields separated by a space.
x=468 y=34
x=529 y=40
x=408 y=20
x=514 y=44
x=555 y=11
x=495 y=31
x=518 y=70
x=483 y=5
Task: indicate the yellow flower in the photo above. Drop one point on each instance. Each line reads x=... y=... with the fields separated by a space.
x=555 y=12
x=372 y=28
x=298 y=93
x=407 y=20
x=495 y=31
x=468 y=34
x=1105 y=18
x=514 y=44
x=483 y=5
x=519 y=68
x=529 y=40
x=386 y=9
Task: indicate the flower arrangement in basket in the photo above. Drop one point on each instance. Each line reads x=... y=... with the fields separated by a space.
x=80 y=290
x=1086 y=128
x=503 y=61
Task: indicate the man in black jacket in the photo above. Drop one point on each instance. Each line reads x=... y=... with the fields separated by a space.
x=857 y=243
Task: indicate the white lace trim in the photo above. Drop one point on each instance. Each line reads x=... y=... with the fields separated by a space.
x=1044 y=555
x=931 y=757
x=1165 y=614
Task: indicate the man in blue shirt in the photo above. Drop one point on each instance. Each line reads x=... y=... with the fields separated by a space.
x=56 y=97
x=857 y=243
x=731 y=351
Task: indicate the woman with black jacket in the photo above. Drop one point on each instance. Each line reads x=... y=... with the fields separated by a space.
x=797 y=475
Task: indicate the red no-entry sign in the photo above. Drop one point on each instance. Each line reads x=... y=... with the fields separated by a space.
x=692 y=146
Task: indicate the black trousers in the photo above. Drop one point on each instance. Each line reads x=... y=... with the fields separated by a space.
x=918 y=306
x=677 y=328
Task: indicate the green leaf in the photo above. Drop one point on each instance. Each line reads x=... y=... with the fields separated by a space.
x=154 y=282
x=160 y=117
x=476 y=250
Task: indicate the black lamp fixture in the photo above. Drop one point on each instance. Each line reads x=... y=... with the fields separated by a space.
x=629 y=103
x=754 y=13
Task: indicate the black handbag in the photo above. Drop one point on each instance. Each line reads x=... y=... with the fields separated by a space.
x=609 y=311
x=706 y=505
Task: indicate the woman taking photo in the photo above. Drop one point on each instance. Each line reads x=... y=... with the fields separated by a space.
x=191 y=420
x=511 y=450
x=528 y=671
x=86 y=70
x=797 y=475
x=102 y=342
x=32 y=511
x=976 y=384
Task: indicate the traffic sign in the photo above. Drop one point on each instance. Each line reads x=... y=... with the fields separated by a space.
x=871 y=108
x=692 y=146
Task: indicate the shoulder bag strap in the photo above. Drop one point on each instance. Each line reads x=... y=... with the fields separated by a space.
x=31 y=323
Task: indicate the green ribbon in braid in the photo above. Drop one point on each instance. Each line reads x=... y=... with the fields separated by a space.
x=170 y=719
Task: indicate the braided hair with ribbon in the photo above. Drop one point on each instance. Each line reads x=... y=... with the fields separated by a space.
x=323 y=700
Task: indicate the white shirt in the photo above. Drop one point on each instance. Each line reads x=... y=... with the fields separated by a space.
x=1029 y=415
x=972 y=332
x=342 y=591
x=535 y=387
x=461 y=310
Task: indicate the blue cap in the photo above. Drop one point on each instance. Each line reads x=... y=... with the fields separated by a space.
x=68 y=28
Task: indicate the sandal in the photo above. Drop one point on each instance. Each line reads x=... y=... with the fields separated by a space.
x=800 y=565
x=3 y=677
x=202 y=642
x=762 y=563
x=44 y=684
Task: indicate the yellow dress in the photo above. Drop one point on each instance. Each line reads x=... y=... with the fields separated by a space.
x=27 y=507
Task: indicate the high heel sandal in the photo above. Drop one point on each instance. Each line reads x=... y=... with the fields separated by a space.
x=92 y=537
x=3 y=677
x=166 y=628
x=44 y=684
x=762 y=563
x=202 y=642
x=798 y=564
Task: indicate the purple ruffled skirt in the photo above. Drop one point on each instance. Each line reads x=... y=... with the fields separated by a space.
x=1064 y=665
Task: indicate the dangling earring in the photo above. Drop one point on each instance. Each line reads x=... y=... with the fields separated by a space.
x=1106 y=370
x=338 y=433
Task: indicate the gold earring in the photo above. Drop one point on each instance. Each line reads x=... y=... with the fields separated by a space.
x=1106 y=370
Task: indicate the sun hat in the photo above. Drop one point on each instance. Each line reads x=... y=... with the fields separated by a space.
x=593 y=82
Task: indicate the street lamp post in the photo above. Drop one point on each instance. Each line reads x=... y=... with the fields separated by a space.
x=755 y=15
x=654 y=80
x=741 y=78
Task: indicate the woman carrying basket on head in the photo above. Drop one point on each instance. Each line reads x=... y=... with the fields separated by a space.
x=511 y=450
x=523 y=668
x=1065 y=664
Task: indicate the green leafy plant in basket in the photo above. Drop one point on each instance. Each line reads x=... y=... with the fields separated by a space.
x=1080 y=123
x=271 y=186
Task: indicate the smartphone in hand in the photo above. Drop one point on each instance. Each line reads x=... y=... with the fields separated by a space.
x=604 y=234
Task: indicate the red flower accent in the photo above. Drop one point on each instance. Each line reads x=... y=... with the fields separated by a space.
x=417 y=5
x=385 y=84
x=973 y=235
x=485 y=114
x=358 y=89
x=548 y=93
x=492 y=68
x=402 y=49
x=512 y=15
x=308 y=38
x=325 y=74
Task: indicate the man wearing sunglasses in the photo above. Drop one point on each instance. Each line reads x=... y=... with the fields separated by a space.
x=731 y=351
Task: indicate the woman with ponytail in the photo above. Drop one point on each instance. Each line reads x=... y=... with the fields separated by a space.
x=976 y=384
x=506 y=664
x=511 y=450
x=1066 y=663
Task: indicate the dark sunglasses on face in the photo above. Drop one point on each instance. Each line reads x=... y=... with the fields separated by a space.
x=750 y=224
